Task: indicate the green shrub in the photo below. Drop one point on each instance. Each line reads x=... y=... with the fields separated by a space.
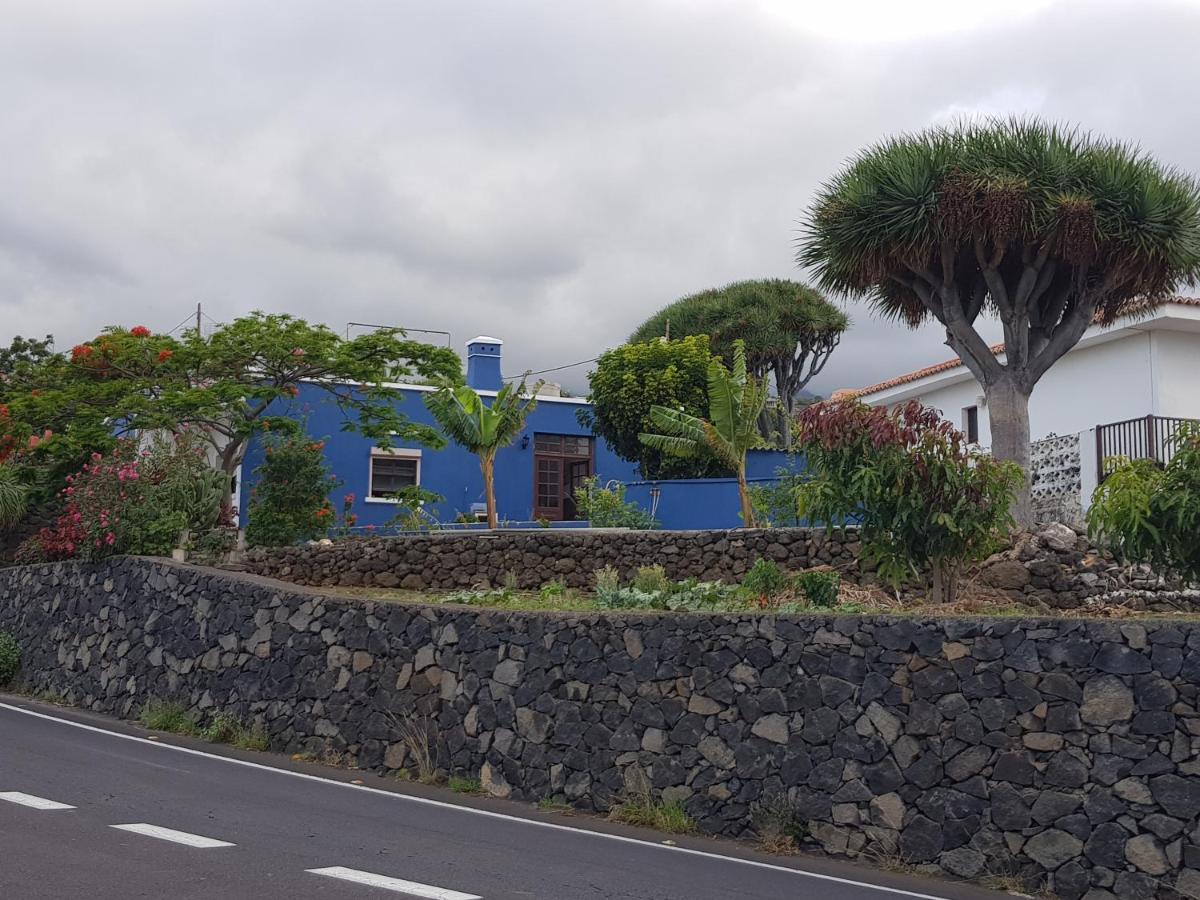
x=651 y=578
x=927 y=502
x=10 y=657
x=775 y=502
x=819 y=588
x=14 y=498
x=1151 y=514
x=164 y=715
x=645 y=811
x=765 y=580
x=290 y=501
x=606 y=507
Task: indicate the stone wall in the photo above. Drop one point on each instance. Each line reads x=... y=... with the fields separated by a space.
x=1060 y=751
x=1055 y=568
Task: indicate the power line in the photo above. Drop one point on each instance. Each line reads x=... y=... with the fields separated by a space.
x=555 y=369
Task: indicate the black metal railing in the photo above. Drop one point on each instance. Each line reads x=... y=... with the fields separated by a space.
x=1149 y=437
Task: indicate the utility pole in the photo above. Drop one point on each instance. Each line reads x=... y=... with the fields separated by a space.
x=198 y=332
x=668 y=330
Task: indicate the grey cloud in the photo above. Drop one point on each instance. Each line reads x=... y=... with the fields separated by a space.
x=549 y=172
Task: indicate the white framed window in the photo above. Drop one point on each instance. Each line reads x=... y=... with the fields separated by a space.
x=392 y=470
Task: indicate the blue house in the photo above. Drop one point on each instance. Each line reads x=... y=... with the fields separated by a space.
x=536 y=476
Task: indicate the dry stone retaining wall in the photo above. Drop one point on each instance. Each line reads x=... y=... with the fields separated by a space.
x=1057 y=567
x=1061 y=750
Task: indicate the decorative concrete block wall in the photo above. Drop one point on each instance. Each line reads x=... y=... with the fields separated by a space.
x=1060 y=750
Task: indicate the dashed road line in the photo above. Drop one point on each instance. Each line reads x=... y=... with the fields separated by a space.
x=170 y=834
x=31 y=801
x=412 y=888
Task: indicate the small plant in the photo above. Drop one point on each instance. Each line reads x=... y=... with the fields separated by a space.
x=512 y=581
x=461 y=785
x=651 y=578
x=608 y=579
x=227 y=729
x=1151 y=514
x=645 y=811
x=552 y=591
x=819 y=587
x=765 y=581
x=778 y=823
x=542 y=522
x=555 y=804
x=415 y=733
x=606 y=507
x=164 y=715
x=10 y=657
x=775 y=502
x=14 y=498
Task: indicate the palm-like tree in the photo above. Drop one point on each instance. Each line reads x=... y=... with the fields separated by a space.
x=1044 y=228
x=480 y=428
x=735 y=401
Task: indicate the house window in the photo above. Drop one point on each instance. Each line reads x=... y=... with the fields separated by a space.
x=971 y=424
x=392 y=470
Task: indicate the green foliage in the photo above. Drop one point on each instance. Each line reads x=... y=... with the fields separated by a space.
x=651 y=578
x=229 y=385
x=164 y=715
x=765 y=580
x=14 y=498
x=630 y=380
x=646 y=811
x=606 y=507
x=775 y=502
x=819 y=587
x=290 y=502
x=789 y=329
x=225 y=728
x=481 y=428
x=924 y=499
x=735 y=401
x=10 y=657
x=1151 y=514
x=778 y=821
x=462 y=785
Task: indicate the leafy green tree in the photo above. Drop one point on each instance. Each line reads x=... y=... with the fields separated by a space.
x=23 y=352
x=1046 y=228
x=926 y=501
x=1151 y=514
x=14 y=498
x=225 y=386
x=631 y=379
x=483 y=429
x=290 y=498
x=735 y=401
x=789 y=329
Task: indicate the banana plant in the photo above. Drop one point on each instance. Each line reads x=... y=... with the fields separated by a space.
x=735 y=401
x=480 y=428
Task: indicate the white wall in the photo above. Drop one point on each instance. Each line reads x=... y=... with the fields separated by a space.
x=1177 y=373
x=1092 y=385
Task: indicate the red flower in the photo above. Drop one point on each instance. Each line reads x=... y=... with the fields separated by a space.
x=164 y=355
x=81 y=351
x=140 y=331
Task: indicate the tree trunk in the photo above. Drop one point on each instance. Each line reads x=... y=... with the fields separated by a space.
x=230 y=458
x=744 y=496
x=1008 y=414
x=488 y=465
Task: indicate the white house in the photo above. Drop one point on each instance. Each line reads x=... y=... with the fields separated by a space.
x=1145 y=369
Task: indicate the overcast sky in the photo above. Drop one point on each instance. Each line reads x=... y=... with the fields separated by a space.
x=549 y=172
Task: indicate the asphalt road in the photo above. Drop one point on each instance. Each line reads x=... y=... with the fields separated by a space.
x=257 y=825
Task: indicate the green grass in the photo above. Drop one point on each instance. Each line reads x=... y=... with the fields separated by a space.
x=555 y=804
x=647 y=812
x=462 y=785
x=225 y=729
x=163 y=715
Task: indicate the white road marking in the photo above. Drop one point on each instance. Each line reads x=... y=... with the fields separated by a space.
x=486 y=813
x=32 y=801
x=170 y=834
x=412 y=888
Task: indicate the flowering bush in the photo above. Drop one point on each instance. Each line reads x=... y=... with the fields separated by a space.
x=925 y=499
x=132 y=501
x=290 y=502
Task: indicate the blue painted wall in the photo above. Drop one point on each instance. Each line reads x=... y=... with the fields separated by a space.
x=707 y=502
x=452 y=472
